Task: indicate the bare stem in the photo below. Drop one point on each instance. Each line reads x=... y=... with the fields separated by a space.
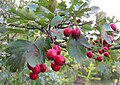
x=115 y=47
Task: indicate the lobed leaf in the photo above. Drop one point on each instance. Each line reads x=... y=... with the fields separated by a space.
x=76 y=49
x=84 y=42
x=56 y=20
x=57 y=33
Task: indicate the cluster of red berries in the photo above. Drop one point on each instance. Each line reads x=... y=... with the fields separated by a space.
x=102 y=51
x=104 y=42
x=36 y=70
x=74 y=32
x=54 y=54
x=90 y=54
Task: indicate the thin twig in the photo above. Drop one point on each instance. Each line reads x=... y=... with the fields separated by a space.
x=115 y=47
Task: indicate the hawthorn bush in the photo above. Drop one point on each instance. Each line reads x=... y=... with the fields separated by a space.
x=47 y=43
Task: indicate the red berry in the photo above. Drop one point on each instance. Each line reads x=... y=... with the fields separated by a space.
x=55 y=67
x=105 y=42
x=96 y=41
x=101 y=51
x=99 y=58
x=43 y=67
x=60 y=60
x=36 y=69
x=67 y=31
x=111 y=38
x=106 y=54
x=57 y=48
x=89 y=54
x=78 y=20
x=92 y=43
x=76 y=32
x=33 y=76
x=101 y=40
x=105 y=49
x=51 y=54
x=113 y=26
x=29 y=67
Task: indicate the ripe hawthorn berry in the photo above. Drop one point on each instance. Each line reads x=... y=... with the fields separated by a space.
x=105 y=42
x=105 y=49
x=29 y=67
x=106 y=54
x=33 y=76
x=78 y=20
x=43 y=67
x=67 y=31
x=76 y=32
x=57 y=48
x=60 y=60
x=93 y=43
x=111 y=38
x=99 y=58
x=55 y=67
x=36 y=69
x=89 y=54
x=101 y=51
x=51 y=54
x=113 y=26
x=96 y=41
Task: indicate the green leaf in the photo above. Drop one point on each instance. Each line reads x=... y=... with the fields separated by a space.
x=3 y=76
x=16 y=63
x=38 y=82
x=85 y=10
x=114 y=55
x=107 y=27
x=107 y=39
x=117 y=67
x=12 y=10
x=33 y=55
x=56 y=20
x=84 y=42
x=24 y=14
x=105 y=35
x=10 y=20
x=43 y=44
x=102 y=68
x=88 y=27
x=29 y=13
x=11 y=30
x=18 y=47
x=76 y=49
x=45 y=12
x=57 y=33
x=2 y=29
